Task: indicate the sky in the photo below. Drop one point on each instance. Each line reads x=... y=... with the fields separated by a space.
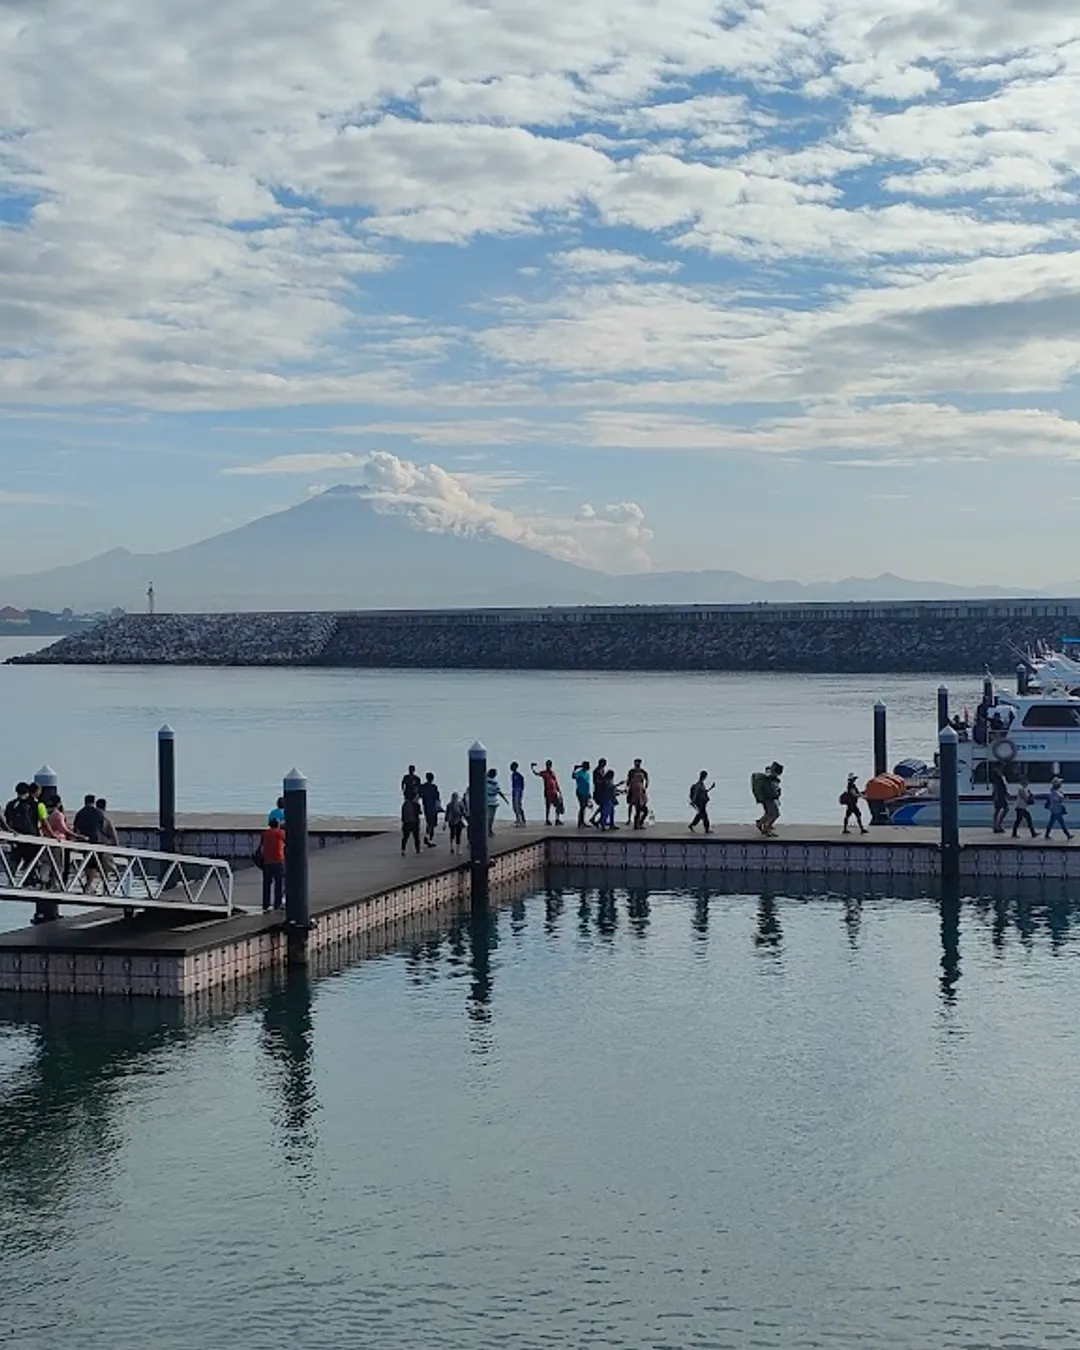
x=788 y=287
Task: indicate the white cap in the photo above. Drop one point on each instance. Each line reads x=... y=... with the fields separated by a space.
x=166 y=733
x=477 y=750
x=946 y=736
x=295 y=781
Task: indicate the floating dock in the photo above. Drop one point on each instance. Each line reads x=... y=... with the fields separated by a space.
x=361 y=886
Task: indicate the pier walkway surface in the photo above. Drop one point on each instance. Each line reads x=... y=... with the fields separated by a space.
x=362 y=885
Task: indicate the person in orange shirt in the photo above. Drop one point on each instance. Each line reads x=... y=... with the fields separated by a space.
x=272 y=849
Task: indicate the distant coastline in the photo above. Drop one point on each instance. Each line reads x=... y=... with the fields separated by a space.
x=900 y=637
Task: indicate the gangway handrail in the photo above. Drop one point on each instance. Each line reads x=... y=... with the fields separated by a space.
x=33 y=867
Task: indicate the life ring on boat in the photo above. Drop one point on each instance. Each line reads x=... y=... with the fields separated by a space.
x=1004 y=751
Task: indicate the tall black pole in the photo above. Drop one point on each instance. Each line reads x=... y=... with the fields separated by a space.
x=297 y=905
x=478 y=827
x=881 y=741
x=1023 y=679
x=950 y=805
x=988 y=691
x=942 y=706
x=166 y=761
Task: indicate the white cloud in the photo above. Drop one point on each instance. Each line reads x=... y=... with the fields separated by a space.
x=615 y=536
x=610 y=262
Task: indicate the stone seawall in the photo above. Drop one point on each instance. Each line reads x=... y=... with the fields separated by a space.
x=916 y=638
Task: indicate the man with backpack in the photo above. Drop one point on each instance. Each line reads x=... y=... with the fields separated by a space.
x=24 y=815
x=700 y=792
x=766 y=789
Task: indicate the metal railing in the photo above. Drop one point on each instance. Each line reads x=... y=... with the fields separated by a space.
x=105 y=874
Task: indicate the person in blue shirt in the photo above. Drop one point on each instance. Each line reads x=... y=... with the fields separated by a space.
x=277 y=815
x=517 y=793
x=583 y=790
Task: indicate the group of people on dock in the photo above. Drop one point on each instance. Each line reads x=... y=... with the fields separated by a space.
x=596 y=791
x=37 y=813
x=597 y=794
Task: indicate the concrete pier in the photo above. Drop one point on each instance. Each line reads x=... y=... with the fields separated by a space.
x=363 y=886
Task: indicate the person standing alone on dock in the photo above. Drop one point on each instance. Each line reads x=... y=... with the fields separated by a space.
x=1025 y=800
x=410 y=823
x=517 y=793
x=1055 y=803
x=431 y=801
x=849 y=800
x=553 y=801
x=700 y=792
x=272 y=849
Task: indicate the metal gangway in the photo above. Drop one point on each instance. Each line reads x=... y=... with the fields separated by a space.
x=74 y=873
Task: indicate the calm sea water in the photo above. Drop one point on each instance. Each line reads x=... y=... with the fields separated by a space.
x=629 y=1120
x=354 y=731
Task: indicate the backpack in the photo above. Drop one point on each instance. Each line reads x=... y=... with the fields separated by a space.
x=761 y=788
x=22 y=815
x=697 y=794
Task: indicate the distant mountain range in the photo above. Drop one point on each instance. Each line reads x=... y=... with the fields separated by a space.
x=336 y=551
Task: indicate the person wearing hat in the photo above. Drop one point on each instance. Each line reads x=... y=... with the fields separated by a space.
x=1055 y=803
x=849 y=800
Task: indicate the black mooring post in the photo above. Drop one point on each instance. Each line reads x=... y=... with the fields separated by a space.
x=1023 y=679
x=878 y=814
x=942 y=706
x=166 y=761
x=478 y=827
x=950 y=805
x=297 y=905
x=881 y=739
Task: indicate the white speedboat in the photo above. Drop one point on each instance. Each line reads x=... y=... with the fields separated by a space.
x=1034 y=735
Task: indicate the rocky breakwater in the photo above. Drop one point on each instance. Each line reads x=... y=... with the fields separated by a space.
x=916 y=638
x=193 y=640
x=904 y=639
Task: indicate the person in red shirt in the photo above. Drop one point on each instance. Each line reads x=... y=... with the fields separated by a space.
x=272 y=849
x=553 y=799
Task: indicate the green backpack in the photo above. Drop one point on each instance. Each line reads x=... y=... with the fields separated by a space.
x=761 y=788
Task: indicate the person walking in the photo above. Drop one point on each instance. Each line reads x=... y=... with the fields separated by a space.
x=999 y=786
x=410 y=783
x=493 y=794
x=410 y=823
x=582 y=791
x=517 y=794
x=637 y=795
x=1055 y=802
x=455 y=818
x=277 y=815
x=431 y=802
x=1025 y=800
x=598 y=777
x=608 y=800
x=849 y=800
x=272 y=850
x=553 y=799
x=700 y=792
x=766 y=789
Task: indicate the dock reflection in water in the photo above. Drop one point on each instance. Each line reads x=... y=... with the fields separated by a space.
x=609 y=1115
